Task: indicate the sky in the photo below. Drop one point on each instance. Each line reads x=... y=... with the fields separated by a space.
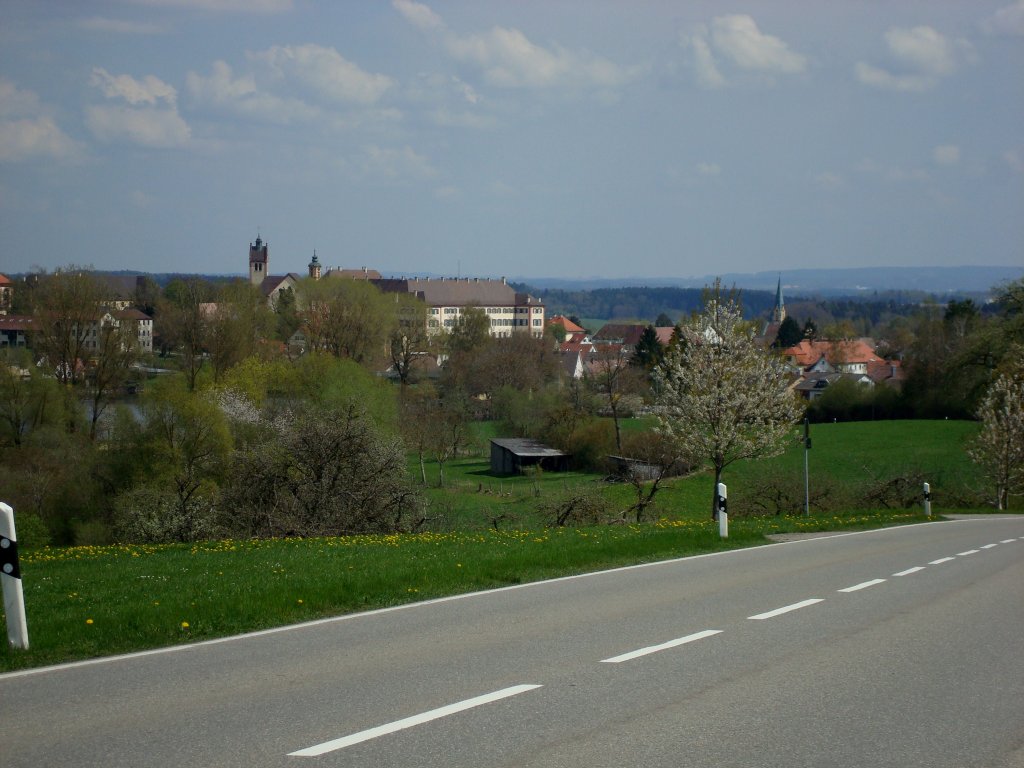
x=526 y=138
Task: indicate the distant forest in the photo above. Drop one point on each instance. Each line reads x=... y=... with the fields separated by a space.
x=860 y=315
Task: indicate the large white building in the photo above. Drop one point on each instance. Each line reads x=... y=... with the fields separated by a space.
x=447 y=298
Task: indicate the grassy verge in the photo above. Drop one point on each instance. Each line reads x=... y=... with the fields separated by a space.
x=92 y=601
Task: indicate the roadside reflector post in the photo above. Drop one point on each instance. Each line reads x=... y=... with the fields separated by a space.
x=721 y=492
x=10 y=575
x=927 y=500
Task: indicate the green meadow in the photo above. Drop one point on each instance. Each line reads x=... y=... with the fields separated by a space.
x=90 y=601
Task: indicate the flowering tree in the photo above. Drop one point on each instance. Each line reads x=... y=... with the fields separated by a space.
x=999 y=448
x=723 y=397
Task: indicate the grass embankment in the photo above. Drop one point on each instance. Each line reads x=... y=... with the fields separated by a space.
x=846 y=458
x=92 y=601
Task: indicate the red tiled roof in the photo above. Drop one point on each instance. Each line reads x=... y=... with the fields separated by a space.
x=5 y=280
x=566 y=323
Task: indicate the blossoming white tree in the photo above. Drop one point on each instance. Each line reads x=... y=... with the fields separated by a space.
x=999 y=447
x=723 y=397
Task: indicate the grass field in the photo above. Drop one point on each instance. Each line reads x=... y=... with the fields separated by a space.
x=847 y=457
x=89 y=601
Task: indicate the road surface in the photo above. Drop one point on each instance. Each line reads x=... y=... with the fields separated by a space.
x=901 y=647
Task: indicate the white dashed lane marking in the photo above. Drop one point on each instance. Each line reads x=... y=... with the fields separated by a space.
x=941 y=560
x=409 y=722
x=661 y=647
x=909 y=571
x=862 y=585
x=786 y=609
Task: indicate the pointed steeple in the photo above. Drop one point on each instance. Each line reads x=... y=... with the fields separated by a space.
x=779 y=313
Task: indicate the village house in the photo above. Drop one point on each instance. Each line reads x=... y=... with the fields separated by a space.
x=6 y=294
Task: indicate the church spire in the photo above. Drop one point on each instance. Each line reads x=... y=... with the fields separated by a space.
x=779 y=313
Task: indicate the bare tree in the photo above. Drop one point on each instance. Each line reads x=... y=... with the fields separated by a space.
x=617 y=383
x=999 y=447
x=234 y=330
x=410 y=342
x=116 y=350
x=66 y=309
x=183 y=324
x=723 y=397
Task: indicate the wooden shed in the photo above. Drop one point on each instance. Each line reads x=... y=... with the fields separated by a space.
x=510 y=455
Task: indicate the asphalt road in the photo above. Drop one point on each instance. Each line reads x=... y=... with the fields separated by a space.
x=900 y=647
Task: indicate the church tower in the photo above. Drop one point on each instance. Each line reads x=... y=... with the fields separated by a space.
x=314 y=267
x=779 y=313
x=259 y=261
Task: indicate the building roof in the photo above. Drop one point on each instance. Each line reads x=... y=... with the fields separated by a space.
x=458 y=292
x=131 y=314
x=835 y=352
x=5 y=280
x=566 y=323
x=273 y=282
x=623 y=333
x=353 y=274
x=527 y=447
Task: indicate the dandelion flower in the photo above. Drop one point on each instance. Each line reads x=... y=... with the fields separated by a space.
x=88 y=621
x=184 y=625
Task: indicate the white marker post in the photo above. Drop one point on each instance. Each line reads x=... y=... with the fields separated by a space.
x=10 y=575
x=723 y=515
x=927 y=500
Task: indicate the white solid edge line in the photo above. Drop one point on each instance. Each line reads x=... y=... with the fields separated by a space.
x=450 y=598
x=662 y=647
x=787 y=609
x=941 y=560
x=409 y=722
x=968 y=552
x=862 y=585
x=909 y=571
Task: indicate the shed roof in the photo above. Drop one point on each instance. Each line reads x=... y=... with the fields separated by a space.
x=526 y=447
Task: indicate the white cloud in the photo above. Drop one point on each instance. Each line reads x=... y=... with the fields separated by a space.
x=508 y=59
x=27 y=130
x=147 y=126
x=1014 y=158
x=708 y=75
x=241 y=6
x=394 y=164
x=34 y=137
x=242 y=96
x=326 y=72
x=946 y=154
x=879 y=78
x=120 y=26
x=1008 y=20
x=921 y=56
x=418 y=15
x=737 y=41
x=445 y=117
x=150 y=119
x=829 y=180
x=738 y=38
x=447 y=193
x=923 y=48
x=149 y=90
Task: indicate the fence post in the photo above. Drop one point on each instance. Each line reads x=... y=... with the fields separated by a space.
x=723 y=515
x=10 y=575
x=927 y=500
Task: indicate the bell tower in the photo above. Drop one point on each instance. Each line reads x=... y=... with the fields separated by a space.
x=314 y=267
x=259 y=261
